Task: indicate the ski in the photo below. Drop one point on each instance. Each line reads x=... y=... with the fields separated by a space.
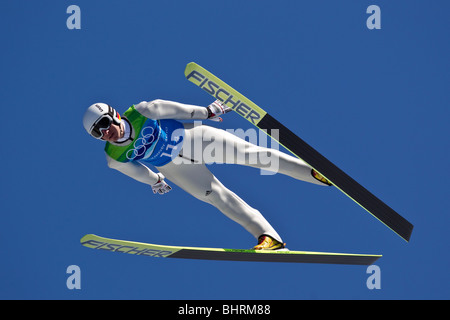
x=161 y=251
x=264 y=121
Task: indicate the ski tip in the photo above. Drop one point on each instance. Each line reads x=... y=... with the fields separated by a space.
x=192 y=63
x=189 y=67
x=87 y=237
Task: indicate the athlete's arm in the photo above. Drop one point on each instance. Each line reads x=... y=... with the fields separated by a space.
x=164 y=109
x=135 y=170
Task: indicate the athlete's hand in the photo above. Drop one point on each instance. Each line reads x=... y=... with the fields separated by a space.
x=216 y=109
x=161 y=186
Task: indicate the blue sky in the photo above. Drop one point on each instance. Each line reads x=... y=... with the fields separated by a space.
x=374 y=102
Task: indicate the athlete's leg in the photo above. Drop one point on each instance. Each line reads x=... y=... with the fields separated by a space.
x=196 y=179
x=209 y=144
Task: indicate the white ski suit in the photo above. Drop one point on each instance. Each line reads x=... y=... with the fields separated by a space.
x=189 y=171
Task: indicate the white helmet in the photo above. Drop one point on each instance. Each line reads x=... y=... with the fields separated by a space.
x=99 y=116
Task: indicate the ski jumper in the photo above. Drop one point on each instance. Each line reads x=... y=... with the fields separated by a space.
x=181 y=157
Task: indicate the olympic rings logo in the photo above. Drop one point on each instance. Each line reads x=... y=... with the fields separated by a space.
x=142 y=144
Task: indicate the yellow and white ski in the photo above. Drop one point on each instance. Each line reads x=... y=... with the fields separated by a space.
x=261 y=119
x=161 y=251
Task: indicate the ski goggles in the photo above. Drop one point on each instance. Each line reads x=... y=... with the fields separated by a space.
x=103 y=123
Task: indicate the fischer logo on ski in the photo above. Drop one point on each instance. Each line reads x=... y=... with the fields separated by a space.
x=214 y=89
x=109 y=246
